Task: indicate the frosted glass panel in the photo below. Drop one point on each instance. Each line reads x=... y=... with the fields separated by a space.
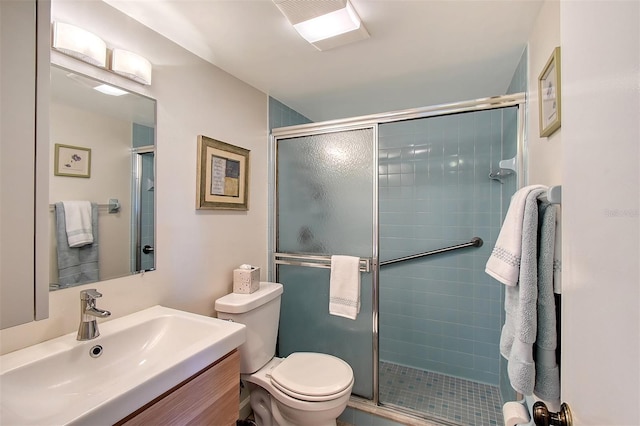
x=325 y=193
x=305 y=323
x=325 y=206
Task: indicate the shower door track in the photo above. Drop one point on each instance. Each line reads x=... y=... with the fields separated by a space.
x=373 y=120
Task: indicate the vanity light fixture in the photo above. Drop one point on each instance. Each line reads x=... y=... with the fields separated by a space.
x=79 y=43
x=131 y=66
x=325 y=24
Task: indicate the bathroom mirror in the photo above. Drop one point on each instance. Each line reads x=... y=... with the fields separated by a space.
x=102 y=150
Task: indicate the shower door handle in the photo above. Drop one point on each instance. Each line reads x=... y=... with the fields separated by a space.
x=147 y=249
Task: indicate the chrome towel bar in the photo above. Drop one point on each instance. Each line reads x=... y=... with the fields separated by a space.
x=314 y=261
x=112 y=207
x=475 y=242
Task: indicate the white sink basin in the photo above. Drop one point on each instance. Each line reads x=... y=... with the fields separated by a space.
x=143 y=355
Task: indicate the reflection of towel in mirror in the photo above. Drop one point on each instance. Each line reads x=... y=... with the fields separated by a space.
x=77 y=217
x=76 y=265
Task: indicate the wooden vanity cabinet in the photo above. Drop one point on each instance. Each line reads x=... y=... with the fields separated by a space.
x=210 y=397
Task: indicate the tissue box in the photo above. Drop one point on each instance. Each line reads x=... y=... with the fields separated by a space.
x=246 y=280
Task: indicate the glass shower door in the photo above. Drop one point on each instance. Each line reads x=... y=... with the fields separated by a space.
x=325 y=194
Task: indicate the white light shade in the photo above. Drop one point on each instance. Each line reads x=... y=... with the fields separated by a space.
x=131 y=65
x=79 y=43
x=330 y=25
x=326 y=24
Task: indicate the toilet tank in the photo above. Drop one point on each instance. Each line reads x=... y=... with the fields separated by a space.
x=260 y=313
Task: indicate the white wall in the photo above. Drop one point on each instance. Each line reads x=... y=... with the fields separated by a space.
x=545 y=154
x=17 y=150
x=601 y=199
x=196 y=250
x=110 y=142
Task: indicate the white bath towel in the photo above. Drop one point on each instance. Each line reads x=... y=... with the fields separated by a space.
x=78 y=223
x=504 y=262
x=344 y=286
x=520 y=328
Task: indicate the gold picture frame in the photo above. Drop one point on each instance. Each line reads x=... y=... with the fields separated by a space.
x=549 y=95
x=223 y=176
x=72 y=161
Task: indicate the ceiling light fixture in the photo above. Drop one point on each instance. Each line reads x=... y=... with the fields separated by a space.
x=131 y=65
x=326 y=24
x=110 y=90
x=79 y=43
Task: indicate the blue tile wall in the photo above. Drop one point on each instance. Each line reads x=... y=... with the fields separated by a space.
x=442 y=313
x=281 y=115
x=142 y=135
x=520 y=81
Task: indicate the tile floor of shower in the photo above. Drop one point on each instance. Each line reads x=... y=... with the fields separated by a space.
x=450 y=399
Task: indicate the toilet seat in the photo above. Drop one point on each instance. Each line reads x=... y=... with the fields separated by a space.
x=312 y=376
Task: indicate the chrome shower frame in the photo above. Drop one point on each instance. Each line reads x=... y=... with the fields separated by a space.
x=373 y=121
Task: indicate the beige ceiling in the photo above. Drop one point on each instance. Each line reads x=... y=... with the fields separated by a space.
x=421 y=52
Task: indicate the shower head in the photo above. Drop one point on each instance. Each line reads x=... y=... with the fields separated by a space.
x=500 y=174
x=506 y=168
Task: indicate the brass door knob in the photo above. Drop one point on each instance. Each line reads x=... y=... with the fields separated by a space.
x=542 y=416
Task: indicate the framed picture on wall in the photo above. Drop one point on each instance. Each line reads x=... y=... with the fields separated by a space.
x=223 y=176
x=74 y=161
x=549 y=95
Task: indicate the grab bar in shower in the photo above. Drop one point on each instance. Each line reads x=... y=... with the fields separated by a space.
x=314 y=261
x=475 y=242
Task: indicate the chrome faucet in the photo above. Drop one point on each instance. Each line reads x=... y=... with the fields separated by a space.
x=88 y=313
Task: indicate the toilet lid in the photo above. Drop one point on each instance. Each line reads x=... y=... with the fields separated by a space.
x=312 y=376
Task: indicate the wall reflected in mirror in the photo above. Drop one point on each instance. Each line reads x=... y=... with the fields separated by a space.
x=111 y=134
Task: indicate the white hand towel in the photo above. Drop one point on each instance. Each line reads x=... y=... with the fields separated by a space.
x=504 y=262
x=344 y=286
x=78 y=223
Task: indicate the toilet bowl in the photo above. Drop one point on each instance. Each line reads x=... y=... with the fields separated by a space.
x=303 y=389
x=282 y=394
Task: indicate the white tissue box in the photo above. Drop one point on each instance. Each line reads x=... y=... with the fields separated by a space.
x=246 y=280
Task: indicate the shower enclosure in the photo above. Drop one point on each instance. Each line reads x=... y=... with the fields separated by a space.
x=386 y=187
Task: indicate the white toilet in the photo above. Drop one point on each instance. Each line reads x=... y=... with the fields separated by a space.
x=303 y=389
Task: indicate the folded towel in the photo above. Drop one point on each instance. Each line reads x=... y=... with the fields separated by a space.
x=76 y=265
x=78 y=223
x=519 y=331
x=547 y=386
x=504 y=262
x=344 y=286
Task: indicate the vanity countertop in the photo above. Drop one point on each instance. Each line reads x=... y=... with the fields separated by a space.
x=135 y=359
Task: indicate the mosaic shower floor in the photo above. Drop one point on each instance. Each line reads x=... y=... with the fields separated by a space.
x=458 y=401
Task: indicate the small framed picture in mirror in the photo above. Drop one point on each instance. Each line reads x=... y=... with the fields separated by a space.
x=73 y=161
x=223 y=175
